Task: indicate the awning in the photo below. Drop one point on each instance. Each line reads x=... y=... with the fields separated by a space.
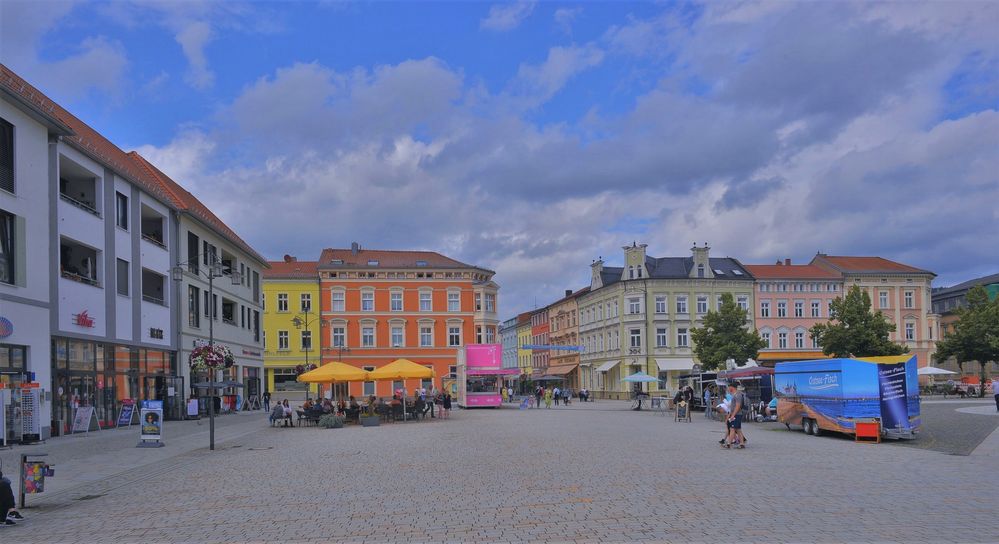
x=674 y=364
x=607 y=366
x=791 y=355
x=560 y=370
x=493 y=371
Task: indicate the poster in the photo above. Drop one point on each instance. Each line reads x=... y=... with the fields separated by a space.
x=151 y=424
x=126 y=414
x=894 y=406
x=34 y=477
x=81 y=421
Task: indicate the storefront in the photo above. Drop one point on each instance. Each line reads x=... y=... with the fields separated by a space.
x=102 y=375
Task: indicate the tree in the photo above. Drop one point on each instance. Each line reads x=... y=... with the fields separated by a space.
x=976 y=333
x=854 y=331
x=725 y=336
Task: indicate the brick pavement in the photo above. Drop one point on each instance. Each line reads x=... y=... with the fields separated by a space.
x=586 y=473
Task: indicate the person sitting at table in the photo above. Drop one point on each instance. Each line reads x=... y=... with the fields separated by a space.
x=307 y=405
x=277 y=414
x=287 y=413
x=420 y=406
x=395 y=401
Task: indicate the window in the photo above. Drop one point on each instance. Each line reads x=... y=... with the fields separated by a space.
x=396 y=301
x=426 y=301
x=816 y=308
x=368 y=301
x=369 y=388
x=454 y=302
x=306 y=302
x=799 y=339
x=338 y=301
x=882 y=299
x=6 y=156
x=478 y=302
x=908 y=299
x=634 y=305
x=781 y=308
x=910 y=331
x=661 y=338
x=397 y=336
x=743 y=302
x=193 y=306
x=490 y=302
x=121 y=210
x=339 y=337
x=152 y=227
x=636 y=337
x=426 y=337
x=454 y=336
x=282 y=340
x=77 y=261
x=282 y=302
x=192 y=252
x=681 y=338
x=660 y=304
x=153 y=287
x=681 y=304
x=702 y=304
x=782 y=340
x=700 y=271
x=799 y=308
x=207 y=304
x=228 y=311
x=368 y=337
x=764 y=308
x=452 y=372
x=306 y=340
x=121 y=277
x=831 y=312
x=490 y=335
x=78 y=187
x=765 y=335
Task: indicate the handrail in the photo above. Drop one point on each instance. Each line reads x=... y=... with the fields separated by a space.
x=82 y=279
x=149 y=298
x=78 y=204
x=153 y=241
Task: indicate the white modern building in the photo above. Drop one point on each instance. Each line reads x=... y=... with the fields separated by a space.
x=508 y=338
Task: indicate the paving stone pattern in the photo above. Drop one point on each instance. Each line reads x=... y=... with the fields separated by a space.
x=585 y=473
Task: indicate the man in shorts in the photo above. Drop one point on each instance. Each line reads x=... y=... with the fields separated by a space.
x=735 y=435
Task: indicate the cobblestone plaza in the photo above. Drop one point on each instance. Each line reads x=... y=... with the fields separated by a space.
x=586 y=473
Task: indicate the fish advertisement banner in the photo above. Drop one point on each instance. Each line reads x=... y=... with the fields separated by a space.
x=894 y=402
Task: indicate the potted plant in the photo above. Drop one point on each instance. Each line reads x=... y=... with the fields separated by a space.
x=332 y=421
x=369 y=418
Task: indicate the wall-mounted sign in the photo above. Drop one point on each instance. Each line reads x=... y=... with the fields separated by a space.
x=252 y=353
x=6 y=327
x=156 y=333
x=82 y=319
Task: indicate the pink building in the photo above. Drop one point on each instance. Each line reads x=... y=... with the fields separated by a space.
x=790 y=298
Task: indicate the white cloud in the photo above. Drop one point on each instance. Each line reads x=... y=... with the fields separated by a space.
x=542 y=81
x=504 y=17
x=564 y=17
x=193 y=38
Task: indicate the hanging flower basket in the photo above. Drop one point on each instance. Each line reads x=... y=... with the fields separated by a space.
x=302 y=369
x=214 y=357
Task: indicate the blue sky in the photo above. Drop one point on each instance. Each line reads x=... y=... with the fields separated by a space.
x=531 y=137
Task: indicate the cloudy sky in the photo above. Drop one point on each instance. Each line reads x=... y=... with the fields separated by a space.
x=531 y=138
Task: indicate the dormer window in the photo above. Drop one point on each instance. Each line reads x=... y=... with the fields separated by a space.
x=421 y=263
x=372 y=262
x=337 y=261
x=700 y=271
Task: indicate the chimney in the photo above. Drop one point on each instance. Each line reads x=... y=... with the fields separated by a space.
x=787 y=262
x=778 y=263
x=568 y=293
x=289 y=259
x=354 y=248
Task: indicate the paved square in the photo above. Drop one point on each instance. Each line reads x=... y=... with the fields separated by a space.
x=584 y=473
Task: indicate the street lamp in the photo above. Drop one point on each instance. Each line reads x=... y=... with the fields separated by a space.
x=214 y=270
x=299 y=323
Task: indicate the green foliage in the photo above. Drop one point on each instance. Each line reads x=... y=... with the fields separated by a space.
x=855 y=331
x=332 y=421
x=724 y=335
x=976 y=333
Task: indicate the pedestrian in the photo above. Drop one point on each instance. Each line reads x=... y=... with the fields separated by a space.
x=548 y=398
x=288 y=412
x=503 y=395
x=432 y=401
x=446 y=412
x=735 y=436
x=995 y=391
x=509 y=391
x=538 y=392
x=8 y=509
x=267 y=401
x=556 y=393
x=707 y=402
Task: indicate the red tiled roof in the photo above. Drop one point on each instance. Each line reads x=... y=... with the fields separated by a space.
x=867 y=264
x=291 y=269
x=84 y=138
x=187 y=202
x=386 y=259
x=790 y=271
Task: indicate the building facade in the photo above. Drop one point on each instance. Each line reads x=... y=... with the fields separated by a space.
x=945 y=303
x=540 y=328
x=902 y=292
x=524 y=359
x=381 y=305
x=508 y=339
x=638 y=317
x=563 y=318
x=291 y=291
x=790 y=299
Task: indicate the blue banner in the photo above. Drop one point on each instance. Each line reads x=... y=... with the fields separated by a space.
x=894 y=405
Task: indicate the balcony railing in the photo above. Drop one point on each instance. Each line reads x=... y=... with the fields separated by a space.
x=81 y=279
x=153 y=299
x=154 y=241
x=82 y=205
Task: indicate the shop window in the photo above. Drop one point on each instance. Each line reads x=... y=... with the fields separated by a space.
x=78 y=262
x=153 y=287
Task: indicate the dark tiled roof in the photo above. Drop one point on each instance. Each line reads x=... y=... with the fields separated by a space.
x=611 y=274
x=964 y=286
x=680 y=268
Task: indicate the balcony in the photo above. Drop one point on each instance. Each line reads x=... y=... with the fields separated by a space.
x=78 y=262
x=153 y=287
x=79 y=187
x=152 y=227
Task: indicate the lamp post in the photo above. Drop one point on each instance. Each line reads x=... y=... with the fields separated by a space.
x=214 y=270
x=299 y=323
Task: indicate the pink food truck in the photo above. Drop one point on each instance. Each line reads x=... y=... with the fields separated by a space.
x=480 y=375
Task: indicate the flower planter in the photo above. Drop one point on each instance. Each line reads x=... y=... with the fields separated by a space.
x=370 y=421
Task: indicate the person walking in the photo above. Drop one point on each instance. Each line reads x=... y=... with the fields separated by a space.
x=735 y=436
x=503 y=394
x=995 y=391
x=707 y=402
x=267 y=401
x=548 y=398
x=556 y=393
x=537 y=396
x=446 y=406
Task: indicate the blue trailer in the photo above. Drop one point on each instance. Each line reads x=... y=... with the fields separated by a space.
x=836 y=394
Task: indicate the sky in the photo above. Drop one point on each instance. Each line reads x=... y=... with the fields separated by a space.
x=531 y=138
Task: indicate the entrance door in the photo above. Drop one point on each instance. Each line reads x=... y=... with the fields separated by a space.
x=82 y=391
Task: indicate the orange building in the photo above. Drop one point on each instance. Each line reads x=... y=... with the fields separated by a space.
x=381 y=305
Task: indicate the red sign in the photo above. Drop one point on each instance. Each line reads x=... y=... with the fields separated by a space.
x=83 y=320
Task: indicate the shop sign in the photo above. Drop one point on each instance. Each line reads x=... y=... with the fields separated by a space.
x=82 y=319
x=253 y=353
x=156 y=333
x=6 y=327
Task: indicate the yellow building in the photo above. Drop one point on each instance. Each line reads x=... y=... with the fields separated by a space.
x=291 y=325
x=523 y=339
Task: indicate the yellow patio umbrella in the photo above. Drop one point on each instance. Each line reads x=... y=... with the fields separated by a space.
x=334 y=372
x=401 y=369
